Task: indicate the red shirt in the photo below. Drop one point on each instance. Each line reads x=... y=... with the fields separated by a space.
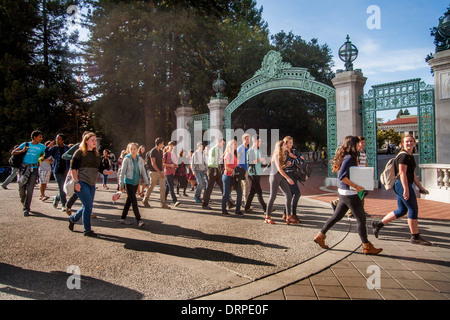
x=231 y=161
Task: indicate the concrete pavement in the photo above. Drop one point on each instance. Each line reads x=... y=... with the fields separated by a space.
x=191 y=253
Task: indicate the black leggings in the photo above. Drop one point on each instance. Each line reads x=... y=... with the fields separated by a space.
x=131 y=200
x=355 y=204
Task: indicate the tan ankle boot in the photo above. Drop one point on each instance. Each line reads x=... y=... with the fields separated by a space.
x=320 y=240
x=370 y=249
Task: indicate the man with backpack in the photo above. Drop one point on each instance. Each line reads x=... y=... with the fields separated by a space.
x=28 y=173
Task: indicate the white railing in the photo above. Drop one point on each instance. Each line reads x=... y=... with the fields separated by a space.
x=436 y=179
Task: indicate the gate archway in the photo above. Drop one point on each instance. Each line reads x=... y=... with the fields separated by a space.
x=276 y=75
x=400 y=95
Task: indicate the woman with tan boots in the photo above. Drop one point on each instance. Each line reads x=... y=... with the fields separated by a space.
x=345 y=158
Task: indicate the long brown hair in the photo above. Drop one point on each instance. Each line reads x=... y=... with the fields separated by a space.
x=83 y=145
x=278 y=151
x=349 y=147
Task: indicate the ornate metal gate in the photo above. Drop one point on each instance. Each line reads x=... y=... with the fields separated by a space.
x=396 y=95
x=276 y=74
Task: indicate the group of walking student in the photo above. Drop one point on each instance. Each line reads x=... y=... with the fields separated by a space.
x=226 y=164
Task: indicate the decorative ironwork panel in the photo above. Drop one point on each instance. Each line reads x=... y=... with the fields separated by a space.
x=275 y=74
x=401 y=95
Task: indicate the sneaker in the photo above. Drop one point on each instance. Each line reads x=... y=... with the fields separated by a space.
x=197 y=200
x=206 y=207
x=225 y=213
x=55 y=202
x=5 y=187
x=69 y=212
x=333 y=206
x=417 y=239
x=71 y=225
x=145 y=204
x=141 y=224
x=91 y=234
x=177 y=204
x=239 y=213
x=165 y=206
x=124 y=221
x=26 y=213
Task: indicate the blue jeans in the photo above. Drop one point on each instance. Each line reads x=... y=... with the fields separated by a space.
x=227 y=184
x=405 y=206
x=201 y=183
x=60 y=179
x=170 y=187
x=86 y=196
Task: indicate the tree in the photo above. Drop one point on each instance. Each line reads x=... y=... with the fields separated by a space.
x=298 y=114
x=38 y=86
x=141 y=54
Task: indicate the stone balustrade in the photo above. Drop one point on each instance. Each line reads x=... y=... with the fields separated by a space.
x=436 y=179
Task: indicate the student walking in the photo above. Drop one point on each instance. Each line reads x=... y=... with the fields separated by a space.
x=181 y=173
x=45 y=172
x=60 y=167
x=279 y=179
x=215 y=165
x=170 y=163
x=154 y=159
x=199 y=166
x=292 y=157
x=405 y=166
x=254 y=160
x=131 y=173
x=230 y=161
x=242 y=161
x=345 y=158
x=86 y=164
x=29 y=170
x=106 y=163
x=14 y=172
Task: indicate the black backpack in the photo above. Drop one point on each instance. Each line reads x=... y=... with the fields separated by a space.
x=16 y=161
x=302 y=171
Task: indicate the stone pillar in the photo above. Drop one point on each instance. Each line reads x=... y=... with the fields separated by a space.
x=441 y=68
x=349 y=88
x=216 y=118
x=181 y=135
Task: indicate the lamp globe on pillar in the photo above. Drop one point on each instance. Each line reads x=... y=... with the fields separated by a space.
x=219 y=87
x=348 y=53
x=184 y=97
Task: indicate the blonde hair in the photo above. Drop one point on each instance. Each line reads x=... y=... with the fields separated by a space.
x=230 y=147
x=278 y=152
x=403 y=138
x=83 y=144
x=133 y=144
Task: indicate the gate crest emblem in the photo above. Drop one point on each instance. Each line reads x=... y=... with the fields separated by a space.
x=272 y=66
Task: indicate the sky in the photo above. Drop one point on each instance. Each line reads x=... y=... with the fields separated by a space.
x=393 y=37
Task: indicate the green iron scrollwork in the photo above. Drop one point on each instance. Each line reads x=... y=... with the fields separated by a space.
x=275 y=74
x=398 y=95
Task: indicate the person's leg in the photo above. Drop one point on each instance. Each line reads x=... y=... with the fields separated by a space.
x=258 y=189
x=127 y=205
x=285 y=188
x=154 y=178
x=60 y=179
x=238 y=198
x=338 y=214
x=248 y=201
x=226 y=191
x=211 y=175
x=10 y=178
x=170 y=185
x=30 y=189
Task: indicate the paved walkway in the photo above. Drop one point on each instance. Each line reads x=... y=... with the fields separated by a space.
x=190 y=253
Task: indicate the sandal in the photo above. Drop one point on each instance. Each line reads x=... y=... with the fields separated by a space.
x=292 y=220
x=269 y=221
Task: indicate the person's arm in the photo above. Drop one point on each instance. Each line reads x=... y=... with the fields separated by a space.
x=419 y=185
x=404 y=180
x=281 y=171
x=19 y=150
x=350 y=183
x=69 y=153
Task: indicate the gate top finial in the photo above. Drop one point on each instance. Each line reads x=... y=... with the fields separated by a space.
x=272 y=65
